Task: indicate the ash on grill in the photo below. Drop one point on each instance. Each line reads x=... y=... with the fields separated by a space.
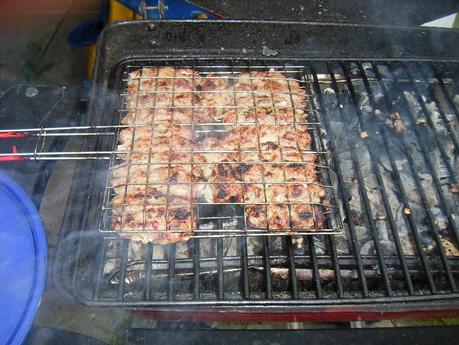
x=399 y=121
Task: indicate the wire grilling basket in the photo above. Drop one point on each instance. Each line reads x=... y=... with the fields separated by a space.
x=295 y=197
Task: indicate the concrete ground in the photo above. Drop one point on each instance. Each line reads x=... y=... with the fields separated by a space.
x=34 y=49
x=34 y=40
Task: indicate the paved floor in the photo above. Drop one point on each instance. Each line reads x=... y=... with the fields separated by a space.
x=34 y=32
x=34 y=49
x=387 y=12
x=34 y=40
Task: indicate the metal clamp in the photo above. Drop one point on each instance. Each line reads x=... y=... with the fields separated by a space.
x=161 y=8
x=39 y=147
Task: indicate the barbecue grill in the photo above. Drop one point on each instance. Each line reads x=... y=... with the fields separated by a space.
x=383 y=108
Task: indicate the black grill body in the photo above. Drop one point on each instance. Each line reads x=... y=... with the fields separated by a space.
x=396 y=185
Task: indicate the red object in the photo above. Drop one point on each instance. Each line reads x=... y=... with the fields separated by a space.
x=331 y=315
x=13 y=158
x=13 y=135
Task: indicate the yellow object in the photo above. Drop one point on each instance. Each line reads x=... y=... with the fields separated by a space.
x=116 y=13
x=91 y=58
x=201 y=16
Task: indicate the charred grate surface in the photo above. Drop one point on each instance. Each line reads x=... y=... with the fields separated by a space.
x=392 y=141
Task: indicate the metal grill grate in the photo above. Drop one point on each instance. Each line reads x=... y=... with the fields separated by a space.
x=304 y=167
x=392 y=138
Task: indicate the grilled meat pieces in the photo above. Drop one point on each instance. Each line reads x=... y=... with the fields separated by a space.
x=171 y=157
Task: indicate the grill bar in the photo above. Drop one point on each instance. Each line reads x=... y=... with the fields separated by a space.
x=366 y=202
x=439 y=78
x=431 y=218
x=244 y=272
x=220 y=266
x=124 y=260
x=267 y=268
x=99 y=271
x=420 y=101
x=415 y=169
x=196 y=288
x=342 y=194
x=427 y=158
x=377 y=173
x=315 y=267
x=347 y=261
x=292 y=269
x=171 y=264
x=336 y=268
x=453 y=181
x=438 y=103
x=398 y=179
x=148 y=264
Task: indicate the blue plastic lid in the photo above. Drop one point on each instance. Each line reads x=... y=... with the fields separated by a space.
x=23 y=259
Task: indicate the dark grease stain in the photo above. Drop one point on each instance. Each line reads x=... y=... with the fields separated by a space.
x=181 y=214
x=305 y=214
x=292 y=37
x=221 y=194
